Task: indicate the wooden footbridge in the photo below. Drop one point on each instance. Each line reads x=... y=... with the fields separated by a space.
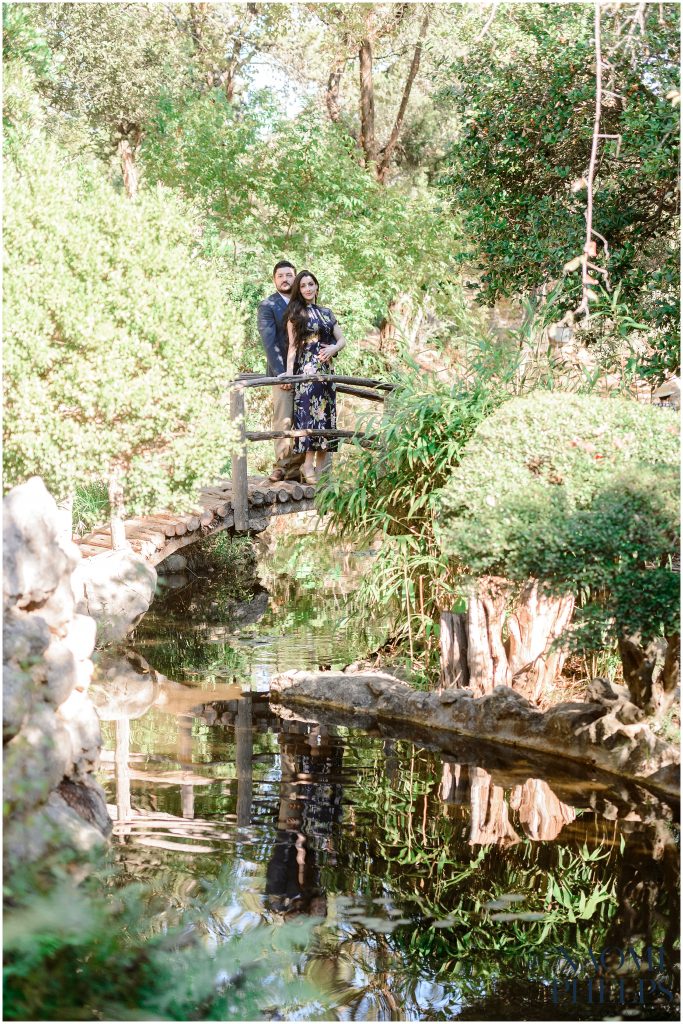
x=241 y=504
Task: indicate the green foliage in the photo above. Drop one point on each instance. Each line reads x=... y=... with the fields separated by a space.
x=103 y=950
x=389 y=491
x=90 y=507
x=275 y=186
x=110 y=63
x=582 y=493
x=118 y=336
x=526 y=99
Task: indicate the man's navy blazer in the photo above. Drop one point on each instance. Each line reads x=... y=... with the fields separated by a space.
x=273 y=333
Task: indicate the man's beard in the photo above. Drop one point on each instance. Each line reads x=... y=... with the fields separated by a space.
x=285 y=288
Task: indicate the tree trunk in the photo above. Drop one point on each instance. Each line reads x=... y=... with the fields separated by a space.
x=367 y=104
x=541 y=814
x=537 y=621
x=388 y=150
x=651 y=673
x=332 y=91
x=117 y=511
x=128 y=168
x=474 y=655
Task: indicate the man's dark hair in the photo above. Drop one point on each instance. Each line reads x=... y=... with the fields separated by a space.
x=281 y=264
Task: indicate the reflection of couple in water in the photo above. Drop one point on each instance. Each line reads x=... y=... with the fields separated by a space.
x=310 y=805
x=300 y=337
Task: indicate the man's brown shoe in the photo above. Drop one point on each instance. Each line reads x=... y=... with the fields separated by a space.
x=277 y=473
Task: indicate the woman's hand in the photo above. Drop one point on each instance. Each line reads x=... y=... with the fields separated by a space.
x=286 y=387
x=327 y=352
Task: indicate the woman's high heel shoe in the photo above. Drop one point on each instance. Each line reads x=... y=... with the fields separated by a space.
x=309 y=478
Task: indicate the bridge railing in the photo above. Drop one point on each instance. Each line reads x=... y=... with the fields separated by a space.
x=358 y=387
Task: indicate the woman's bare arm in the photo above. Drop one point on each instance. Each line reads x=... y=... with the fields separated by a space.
x=329 y=351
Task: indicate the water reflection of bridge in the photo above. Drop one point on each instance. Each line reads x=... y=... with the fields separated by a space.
x=488 y=795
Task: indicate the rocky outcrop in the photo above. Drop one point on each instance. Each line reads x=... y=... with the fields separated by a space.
x=609 y=736
x=51 y=732
x=115 y=588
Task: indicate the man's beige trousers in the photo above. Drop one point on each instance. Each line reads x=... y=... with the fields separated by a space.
x=283 y=416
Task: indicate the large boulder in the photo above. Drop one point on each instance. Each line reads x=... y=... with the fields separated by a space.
x=51 y=731
x=115 y=588
x=37 y=559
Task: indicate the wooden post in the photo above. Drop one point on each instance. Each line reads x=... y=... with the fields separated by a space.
x=240 y=481
x=121 y=770
x=65 y=509
x=116 y=510
x=243 y=759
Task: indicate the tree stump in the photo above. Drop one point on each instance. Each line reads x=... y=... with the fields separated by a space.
x=475 y=655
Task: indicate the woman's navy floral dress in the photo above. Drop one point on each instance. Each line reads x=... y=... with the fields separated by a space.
x=315 y=404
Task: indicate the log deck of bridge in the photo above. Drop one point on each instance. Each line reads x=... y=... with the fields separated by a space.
x=155 y=537
x=241 y=504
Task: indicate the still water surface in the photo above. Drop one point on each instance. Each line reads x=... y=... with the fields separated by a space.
x=434 y=886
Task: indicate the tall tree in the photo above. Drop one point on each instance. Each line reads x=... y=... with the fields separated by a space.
x=520 y=165
x=112 y=63
x=356 y=31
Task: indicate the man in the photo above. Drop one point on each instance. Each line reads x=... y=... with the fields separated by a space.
x=274 y=339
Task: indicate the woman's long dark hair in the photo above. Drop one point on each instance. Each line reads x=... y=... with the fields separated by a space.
x=297 y=310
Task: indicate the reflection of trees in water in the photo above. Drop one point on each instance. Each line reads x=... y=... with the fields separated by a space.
x=466 y=850
x=540 y=813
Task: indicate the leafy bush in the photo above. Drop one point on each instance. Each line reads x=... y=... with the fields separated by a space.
x=118 y=336
x=580 y=492
x=390 y=491
x=104 y=950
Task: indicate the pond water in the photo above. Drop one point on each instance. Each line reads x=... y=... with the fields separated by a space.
x=426 y=886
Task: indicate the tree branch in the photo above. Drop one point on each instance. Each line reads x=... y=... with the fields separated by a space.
x=388 y=150
x=589 y=249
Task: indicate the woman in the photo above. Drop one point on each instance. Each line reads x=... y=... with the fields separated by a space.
x=314 y=338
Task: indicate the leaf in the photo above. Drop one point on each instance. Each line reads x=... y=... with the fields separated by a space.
x=573 y=264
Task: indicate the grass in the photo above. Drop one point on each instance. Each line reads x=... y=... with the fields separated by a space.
x=91 y=507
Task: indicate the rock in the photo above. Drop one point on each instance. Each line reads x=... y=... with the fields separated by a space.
x=36 y=559
x=36 y=760
x=247 y=613
x=80 y=636
x=25 y=637
x=47 y=648
x=27 y=837
x=121 y=690
x=81 y=834
x=115 y=588
x=174 y=563
x=89 y=801
x=590 y=734
x=17 y=700
x=174 y=581
x=62 y=673
x=83 y=725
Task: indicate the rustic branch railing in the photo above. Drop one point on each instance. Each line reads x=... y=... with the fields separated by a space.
x=358 y=387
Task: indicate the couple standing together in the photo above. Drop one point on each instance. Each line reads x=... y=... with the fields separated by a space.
x=300 y=337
